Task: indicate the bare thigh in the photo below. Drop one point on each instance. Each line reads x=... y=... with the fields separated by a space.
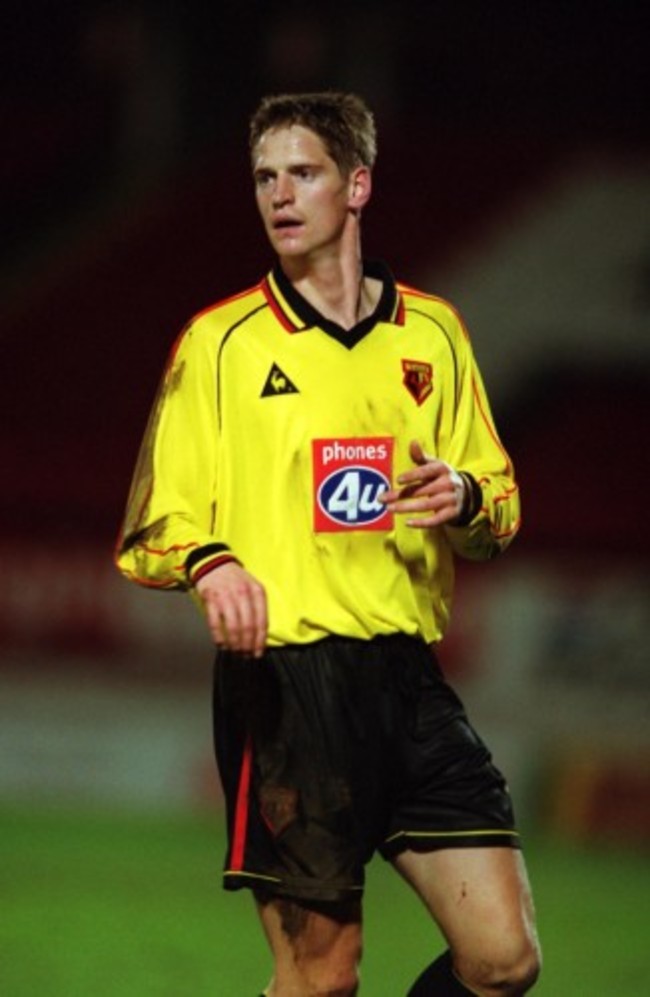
x=480 y=899
x=316 y=947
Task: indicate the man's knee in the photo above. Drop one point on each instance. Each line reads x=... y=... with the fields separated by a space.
x=316 y=946
x=311 y=988
x=318 y=980
x=337 y=984
x=510 y=971
x=333 y=974
x=329 y=959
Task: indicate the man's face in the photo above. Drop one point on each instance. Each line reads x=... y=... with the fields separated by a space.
x=301 y=194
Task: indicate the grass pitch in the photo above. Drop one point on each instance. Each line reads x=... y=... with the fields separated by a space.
x=118 y=905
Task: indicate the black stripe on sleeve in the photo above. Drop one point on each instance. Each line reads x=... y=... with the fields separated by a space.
x=200 y=554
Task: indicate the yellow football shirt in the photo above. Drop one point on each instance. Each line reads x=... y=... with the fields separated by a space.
x=272 y=436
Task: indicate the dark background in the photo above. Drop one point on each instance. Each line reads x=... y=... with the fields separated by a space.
x=126 y=199
x=513 y=179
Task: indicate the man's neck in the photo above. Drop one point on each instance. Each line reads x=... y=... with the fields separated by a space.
x=335 y=286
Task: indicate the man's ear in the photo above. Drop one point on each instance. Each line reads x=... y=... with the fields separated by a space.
x=360 y=187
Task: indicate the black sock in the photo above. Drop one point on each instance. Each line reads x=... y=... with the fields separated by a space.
x=439 y=980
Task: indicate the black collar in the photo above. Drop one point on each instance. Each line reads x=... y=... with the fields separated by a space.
x=298 y=315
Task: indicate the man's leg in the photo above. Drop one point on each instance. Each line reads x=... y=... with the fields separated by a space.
x=316 y=947
x=481 y=900
x=439 y=978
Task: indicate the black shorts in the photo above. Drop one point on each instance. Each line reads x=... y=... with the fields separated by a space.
x=331 y=751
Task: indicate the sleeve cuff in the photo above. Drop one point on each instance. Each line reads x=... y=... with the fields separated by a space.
x=204 y=559
x=473 y=499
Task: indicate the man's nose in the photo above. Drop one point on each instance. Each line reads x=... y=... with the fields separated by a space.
x=283 y=191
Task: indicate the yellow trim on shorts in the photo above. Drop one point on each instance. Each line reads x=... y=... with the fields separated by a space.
x=450 y=834
x=251 y=875
x=276 y=879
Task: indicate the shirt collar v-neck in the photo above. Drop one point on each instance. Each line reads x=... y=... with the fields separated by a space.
x=296 y=314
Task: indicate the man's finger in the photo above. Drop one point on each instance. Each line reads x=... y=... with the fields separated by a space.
x=417 y=454
x=252 y=620
x=215 y=622
x=261 y=621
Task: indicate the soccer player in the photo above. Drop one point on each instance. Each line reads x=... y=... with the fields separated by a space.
x=321 y=449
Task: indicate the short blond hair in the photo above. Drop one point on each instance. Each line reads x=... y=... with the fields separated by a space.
x=343 y=122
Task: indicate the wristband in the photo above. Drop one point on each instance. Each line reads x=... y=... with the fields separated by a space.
x=472 y=499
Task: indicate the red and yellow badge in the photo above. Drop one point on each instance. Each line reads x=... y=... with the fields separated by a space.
x=418 y=379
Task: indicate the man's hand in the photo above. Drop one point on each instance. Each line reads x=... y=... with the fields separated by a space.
x=235 y=606
x=432 y=488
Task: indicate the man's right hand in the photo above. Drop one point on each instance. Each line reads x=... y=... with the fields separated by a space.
x=235 y=607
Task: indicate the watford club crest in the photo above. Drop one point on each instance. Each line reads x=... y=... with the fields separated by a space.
x=418 y=379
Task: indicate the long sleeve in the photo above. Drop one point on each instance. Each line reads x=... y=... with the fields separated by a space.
x=475 y=448
x=167 y=534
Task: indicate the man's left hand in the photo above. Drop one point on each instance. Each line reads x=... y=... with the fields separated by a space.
x=433 y=489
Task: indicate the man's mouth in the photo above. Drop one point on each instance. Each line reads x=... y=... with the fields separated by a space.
x=284 y=223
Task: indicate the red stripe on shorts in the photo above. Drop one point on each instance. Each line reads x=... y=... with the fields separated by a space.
x=241 y=810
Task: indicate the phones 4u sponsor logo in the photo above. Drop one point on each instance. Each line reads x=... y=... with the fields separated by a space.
x=349 y=476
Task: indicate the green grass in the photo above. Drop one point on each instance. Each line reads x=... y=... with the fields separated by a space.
x=131 y=906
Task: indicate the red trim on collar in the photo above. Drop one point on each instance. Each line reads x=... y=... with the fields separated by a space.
x=276 y=307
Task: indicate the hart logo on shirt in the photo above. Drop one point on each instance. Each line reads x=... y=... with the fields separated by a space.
x=349 y=476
